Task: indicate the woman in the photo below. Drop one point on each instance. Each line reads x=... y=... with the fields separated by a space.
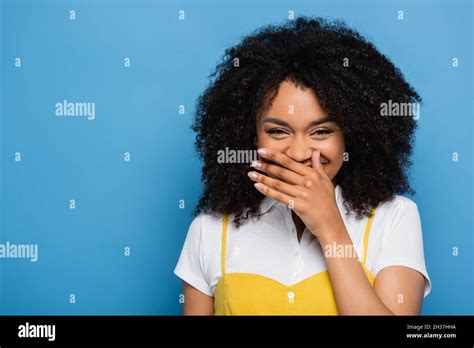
x=317 y=225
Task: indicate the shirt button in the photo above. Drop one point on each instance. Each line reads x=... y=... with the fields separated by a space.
x=297 y=253
x=291 y=295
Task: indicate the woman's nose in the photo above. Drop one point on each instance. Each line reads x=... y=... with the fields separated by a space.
x=300 y=152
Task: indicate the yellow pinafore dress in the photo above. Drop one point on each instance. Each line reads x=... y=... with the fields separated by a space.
x=253 y=294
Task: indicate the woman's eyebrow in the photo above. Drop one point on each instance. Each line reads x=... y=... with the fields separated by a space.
x=280 y=122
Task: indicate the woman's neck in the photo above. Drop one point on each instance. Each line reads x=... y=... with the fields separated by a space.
x=299 y=224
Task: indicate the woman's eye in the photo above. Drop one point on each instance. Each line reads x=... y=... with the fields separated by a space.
x=277 y=131
x=322 y=132
x=318 y=133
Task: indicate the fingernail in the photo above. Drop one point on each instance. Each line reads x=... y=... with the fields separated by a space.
x=262 y=152
x=258 y=186
x=256 y=164
x=252 y=175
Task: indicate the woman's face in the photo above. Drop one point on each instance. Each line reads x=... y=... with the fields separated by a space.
x=295 y=125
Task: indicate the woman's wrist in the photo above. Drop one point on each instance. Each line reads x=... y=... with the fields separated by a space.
x=332 y=230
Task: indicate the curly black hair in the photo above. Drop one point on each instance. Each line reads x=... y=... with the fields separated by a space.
x=310 y=52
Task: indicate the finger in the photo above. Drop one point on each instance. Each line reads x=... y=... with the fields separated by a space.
x=283 y=160
x=280 y=172
x=276 y=184
x=269 y=192
x=316 y=163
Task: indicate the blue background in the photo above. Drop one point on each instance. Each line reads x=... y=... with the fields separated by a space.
x=136 y=203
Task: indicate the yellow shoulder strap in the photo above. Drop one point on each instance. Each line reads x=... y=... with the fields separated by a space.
x=224 y=242
x=366 y=236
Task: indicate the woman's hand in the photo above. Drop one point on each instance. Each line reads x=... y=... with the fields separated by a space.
x=308 y=191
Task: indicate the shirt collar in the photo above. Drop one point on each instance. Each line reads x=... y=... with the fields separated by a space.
x=268 y=202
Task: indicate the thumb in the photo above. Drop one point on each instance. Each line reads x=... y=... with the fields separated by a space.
x=316 y=162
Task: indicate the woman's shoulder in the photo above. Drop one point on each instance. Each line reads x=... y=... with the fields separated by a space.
x=388 y=213
x=207 y=219
x=397 y=208
x=400 y=201
x=206 y=226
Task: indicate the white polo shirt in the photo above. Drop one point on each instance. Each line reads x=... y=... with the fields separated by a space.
x=269 y=246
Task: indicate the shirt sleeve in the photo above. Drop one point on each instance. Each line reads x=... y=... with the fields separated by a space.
x=190 y=266
x=403 y=243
